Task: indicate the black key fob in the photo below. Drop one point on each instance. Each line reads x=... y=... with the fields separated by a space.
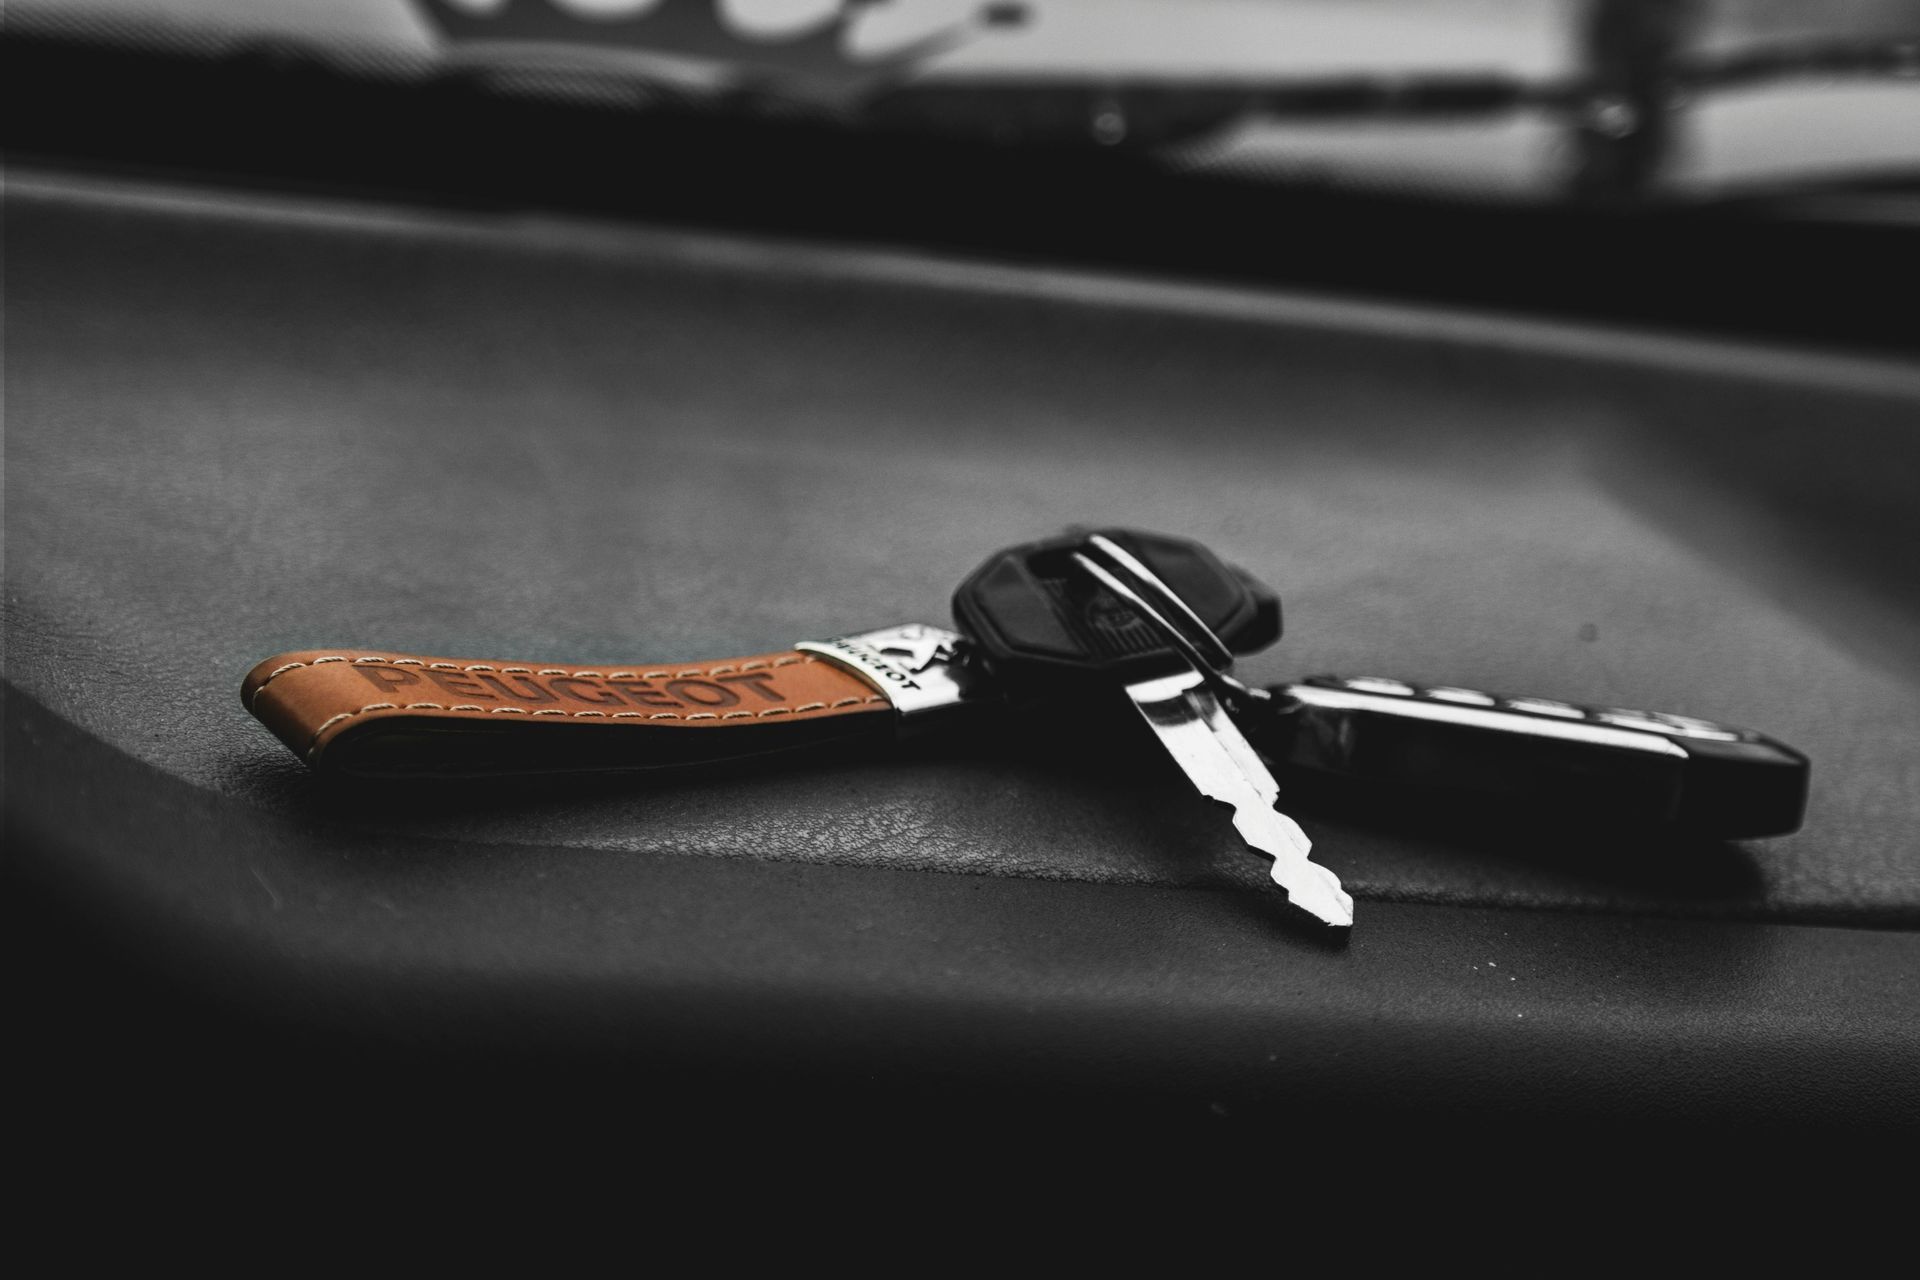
x=1034 y=615
x=1592 y=766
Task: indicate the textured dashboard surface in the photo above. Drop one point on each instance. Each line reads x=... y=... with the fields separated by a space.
x=244 y=425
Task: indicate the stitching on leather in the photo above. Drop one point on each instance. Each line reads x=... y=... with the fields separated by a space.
x=724 y=669
x=276 y=671
x=314 y=742
x=345 y=715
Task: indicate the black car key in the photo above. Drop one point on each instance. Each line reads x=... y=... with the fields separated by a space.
x=1592 y=764
x=1160 y=618
x=1037 y=614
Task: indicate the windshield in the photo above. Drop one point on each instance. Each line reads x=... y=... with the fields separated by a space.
x=1511 y=100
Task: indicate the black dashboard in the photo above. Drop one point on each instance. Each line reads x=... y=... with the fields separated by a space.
x=689 y=414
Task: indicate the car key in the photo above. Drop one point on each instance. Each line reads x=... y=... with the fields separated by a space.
x=1594 y=764
x=1162 y=618
x=1159 y=616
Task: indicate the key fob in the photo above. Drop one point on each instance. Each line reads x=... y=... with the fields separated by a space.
x=1033 y=616
x=1594 y=765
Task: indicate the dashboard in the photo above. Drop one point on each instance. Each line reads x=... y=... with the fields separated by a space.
x=251 y=417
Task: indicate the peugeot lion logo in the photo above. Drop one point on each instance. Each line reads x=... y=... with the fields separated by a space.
x=917 y=648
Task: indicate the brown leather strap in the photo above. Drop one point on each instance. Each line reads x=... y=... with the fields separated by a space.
x=371 y=712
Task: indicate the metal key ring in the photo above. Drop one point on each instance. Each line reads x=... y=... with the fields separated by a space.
x=1133 y=582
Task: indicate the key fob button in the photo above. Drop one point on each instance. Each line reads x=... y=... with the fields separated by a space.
x=1465 y=697
x=1380 y=684
x=1547 y=707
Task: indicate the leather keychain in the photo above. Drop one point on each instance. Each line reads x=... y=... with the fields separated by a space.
x=377 y=713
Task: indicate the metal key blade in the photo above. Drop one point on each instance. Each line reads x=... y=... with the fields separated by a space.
x=1223 y=765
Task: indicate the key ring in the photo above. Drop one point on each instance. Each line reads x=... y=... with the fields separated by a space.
x=1125 y=576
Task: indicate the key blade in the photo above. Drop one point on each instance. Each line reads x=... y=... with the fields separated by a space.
x=1223 y=766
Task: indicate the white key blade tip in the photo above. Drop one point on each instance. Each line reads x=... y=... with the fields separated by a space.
x=1309 y=886
x=1223 y=766
x=1322 y=897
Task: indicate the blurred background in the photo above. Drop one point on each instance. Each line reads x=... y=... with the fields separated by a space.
x=1514 y=100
